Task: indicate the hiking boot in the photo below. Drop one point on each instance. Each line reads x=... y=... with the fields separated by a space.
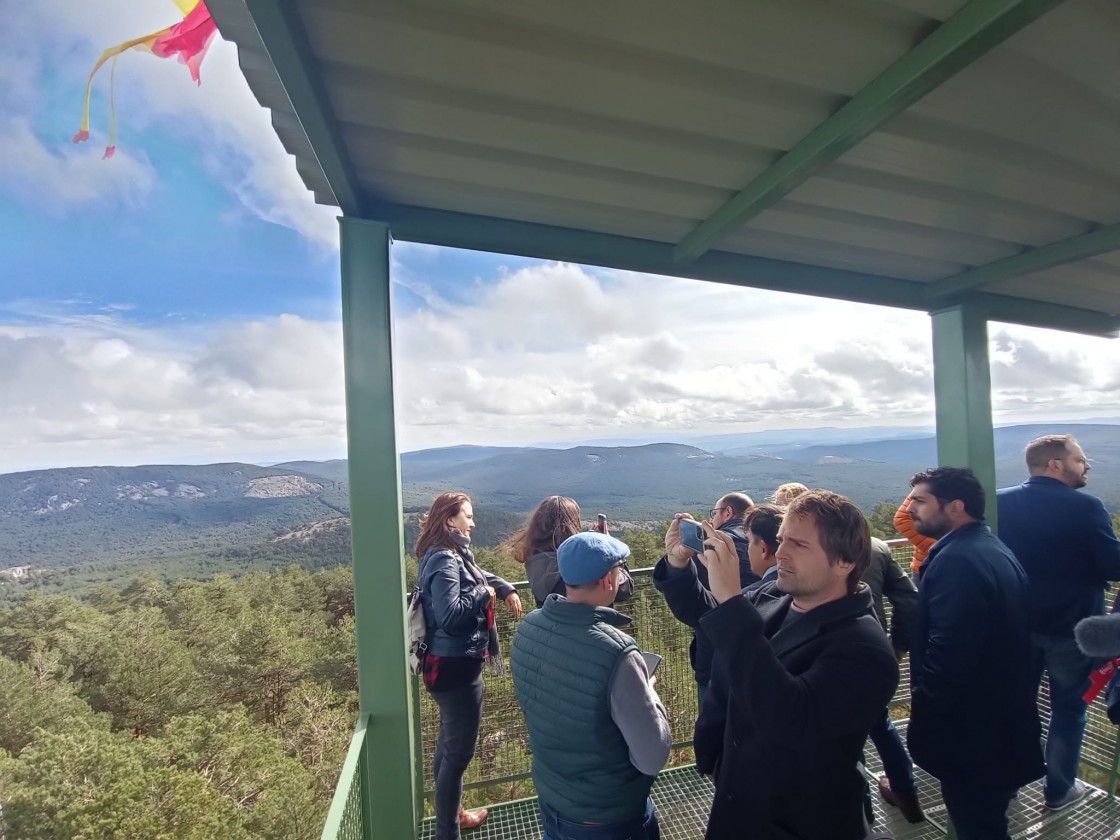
x=907 y=803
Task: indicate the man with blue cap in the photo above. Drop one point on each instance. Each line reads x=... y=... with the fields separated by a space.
x=598 y=731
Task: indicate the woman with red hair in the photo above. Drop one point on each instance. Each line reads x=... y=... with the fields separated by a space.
x=458 y=599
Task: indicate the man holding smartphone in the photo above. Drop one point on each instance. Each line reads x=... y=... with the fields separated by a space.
x=598 y=731
x=727 y=517
x=809 y=668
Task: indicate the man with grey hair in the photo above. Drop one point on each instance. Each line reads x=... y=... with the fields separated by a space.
x=1064 y=541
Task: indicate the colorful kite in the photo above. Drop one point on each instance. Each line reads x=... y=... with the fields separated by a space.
x=188 y=39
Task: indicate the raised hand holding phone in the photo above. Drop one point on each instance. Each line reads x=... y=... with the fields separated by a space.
x=692 y=535
x=723 y=564
x=677 y=554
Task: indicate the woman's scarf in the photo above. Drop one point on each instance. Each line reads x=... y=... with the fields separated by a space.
x=494 y=662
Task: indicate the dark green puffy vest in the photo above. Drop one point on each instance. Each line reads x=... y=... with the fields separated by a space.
x=563 y=657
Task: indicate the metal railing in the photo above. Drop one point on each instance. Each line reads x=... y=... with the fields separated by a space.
x=502 y=759
x=347 y=818
x=500 y=770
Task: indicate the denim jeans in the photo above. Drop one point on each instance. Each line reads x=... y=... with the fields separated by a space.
x=1069 y=671
x=977 y=813
x=896 y=762
x=557 y=827
x=460 y=714
x=701 y=690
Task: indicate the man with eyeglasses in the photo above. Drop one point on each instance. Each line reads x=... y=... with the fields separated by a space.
x=727 y=516
x=1064 y=541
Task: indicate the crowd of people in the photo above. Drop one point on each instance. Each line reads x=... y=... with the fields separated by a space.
x=793 y=656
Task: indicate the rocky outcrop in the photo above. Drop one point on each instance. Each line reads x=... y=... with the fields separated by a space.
x=279 y=486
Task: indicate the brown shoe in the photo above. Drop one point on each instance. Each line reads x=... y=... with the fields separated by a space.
x=472 y=819
x=907 y=803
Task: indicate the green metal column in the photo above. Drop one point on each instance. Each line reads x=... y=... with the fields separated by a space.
x=962 y=383
x=375 y=511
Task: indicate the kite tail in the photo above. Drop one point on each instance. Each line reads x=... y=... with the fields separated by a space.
x=111 y=53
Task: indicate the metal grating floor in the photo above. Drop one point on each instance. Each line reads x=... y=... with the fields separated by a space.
x=682 y=799
x=1097 y=817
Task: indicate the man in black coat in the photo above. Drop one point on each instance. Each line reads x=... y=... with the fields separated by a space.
x=973 y=720
x=810 y=671
x=727 y=516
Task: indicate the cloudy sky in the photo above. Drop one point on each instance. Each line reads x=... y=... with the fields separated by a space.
x=179 y=302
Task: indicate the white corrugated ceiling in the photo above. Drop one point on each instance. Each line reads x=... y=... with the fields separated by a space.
x=641 y=118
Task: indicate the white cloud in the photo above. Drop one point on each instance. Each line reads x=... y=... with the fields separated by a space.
x=68 y=177
x=563 y=352
x=101 y=391
x=551 y=352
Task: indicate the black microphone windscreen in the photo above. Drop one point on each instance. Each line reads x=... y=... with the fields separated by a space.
x=1099 y=636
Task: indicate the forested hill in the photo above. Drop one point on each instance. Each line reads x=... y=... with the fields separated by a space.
x=66 y=516
x=157 y=514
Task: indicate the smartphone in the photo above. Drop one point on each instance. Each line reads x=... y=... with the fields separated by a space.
x=692 y=535
x=653 y=661
x=601 y=519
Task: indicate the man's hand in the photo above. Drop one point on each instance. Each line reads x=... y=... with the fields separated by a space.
x=493 y=594
x=677 y=554
x=513 y=604
x=723 y=564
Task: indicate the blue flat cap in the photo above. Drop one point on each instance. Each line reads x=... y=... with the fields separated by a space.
x=587 y=556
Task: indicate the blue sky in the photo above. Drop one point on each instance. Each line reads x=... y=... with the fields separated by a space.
x=179 y=302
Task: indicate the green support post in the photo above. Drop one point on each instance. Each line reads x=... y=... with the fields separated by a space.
x=378 y=538
x=962 y=384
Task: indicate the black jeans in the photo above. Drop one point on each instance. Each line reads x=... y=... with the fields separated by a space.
x=460 y=714
x=978 y=813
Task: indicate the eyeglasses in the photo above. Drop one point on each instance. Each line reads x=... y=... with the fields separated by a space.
x=712 y=513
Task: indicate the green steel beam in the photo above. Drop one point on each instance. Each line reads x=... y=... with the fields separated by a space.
x=1053 y=316
x=384 y=684
x=285 y=39
x=962 y=386
x=1056 y=253
x=504 y=236
x=976 y=28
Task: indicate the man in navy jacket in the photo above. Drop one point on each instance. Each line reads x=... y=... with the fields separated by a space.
x=1064 y=541
x=973 y=720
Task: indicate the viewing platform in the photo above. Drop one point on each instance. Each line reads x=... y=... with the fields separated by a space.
x=499 y=775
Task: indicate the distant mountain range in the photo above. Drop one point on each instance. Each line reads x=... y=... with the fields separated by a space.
x=68 y=516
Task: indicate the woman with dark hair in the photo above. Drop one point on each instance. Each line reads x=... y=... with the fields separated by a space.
x=535 y=543
x=458 y=599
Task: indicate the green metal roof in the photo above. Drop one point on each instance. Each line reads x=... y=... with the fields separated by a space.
x=914 y=153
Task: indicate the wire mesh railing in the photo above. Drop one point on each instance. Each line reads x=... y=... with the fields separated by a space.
x=502 y=756
x=347 y=818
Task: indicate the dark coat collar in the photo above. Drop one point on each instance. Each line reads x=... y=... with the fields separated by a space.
x=811 y=624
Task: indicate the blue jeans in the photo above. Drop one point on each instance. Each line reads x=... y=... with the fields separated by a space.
x=460 y=715
x=1069 y=671
x=557 y=827
x=977 y=813
x=896 y=762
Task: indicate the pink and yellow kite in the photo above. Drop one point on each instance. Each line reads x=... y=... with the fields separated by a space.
x=188 y=39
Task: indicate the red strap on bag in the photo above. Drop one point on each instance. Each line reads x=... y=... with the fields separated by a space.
x=1100 y=679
